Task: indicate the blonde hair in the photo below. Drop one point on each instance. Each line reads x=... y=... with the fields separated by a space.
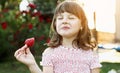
x=83 y=39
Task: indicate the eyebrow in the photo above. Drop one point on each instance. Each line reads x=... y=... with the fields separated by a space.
x=61 y=14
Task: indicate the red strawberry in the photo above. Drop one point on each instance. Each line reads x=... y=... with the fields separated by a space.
x=30 y=42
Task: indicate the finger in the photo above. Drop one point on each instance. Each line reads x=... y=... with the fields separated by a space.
x=18 y=56
x=22 y=49
x=28 y=50
x=17 y=52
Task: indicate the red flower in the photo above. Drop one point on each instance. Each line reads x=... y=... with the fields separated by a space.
x=30 y=26
x=41 y=18
x=31 y=5
x=41 y=37
x=24 y=12
x=4 y=25
x=48 y=20
x=5 y=10
x=48 y=40
x=36 y=14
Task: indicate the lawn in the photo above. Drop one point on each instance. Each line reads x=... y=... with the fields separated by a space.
x=108 y=66
x=17 y=67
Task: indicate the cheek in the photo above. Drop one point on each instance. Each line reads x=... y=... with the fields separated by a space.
x=57 y=28
x=58 y=25
x=77 y=26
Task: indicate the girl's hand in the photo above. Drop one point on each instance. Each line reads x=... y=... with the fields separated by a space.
x=25 y=56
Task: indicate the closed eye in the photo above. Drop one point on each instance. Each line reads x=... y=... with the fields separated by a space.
x=60 y=18
x=71 y=18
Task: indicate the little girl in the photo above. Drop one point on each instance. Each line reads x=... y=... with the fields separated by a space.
x=70 y=48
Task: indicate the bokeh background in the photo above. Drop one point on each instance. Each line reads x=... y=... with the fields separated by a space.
x=22 y=19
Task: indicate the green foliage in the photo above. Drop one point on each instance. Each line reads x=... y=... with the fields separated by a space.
x=16 y=26
x=46 y=6
x=108 y=66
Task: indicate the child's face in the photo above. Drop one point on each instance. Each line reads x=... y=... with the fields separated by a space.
x=68 y=25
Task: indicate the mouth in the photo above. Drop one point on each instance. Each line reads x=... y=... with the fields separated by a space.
x=65 y=28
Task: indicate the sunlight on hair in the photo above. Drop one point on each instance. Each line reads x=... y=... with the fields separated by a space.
x=100 y=15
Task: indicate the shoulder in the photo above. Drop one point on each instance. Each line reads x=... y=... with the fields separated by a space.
x=94 y=54
x=91 y=52
x=48 y=50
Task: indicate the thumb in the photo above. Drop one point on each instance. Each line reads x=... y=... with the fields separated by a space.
x=28 y=50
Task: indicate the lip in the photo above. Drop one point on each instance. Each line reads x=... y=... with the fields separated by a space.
x=65 y=27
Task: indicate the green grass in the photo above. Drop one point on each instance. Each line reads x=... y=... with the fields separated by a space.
x=108 y=66
x=17 y=67
x=13 y=67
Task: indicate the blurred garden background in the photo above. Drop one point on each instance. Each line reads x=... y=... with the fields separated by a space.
x=22 y=19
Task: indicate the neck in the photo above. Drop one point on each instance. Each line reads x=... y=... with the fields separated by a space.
x=67 y=42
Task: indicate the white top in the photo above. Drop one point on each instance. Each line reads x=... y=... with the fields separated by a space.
x=65 y=60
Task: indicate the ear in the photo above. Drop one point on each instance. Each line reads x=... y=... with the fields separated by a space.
x=81 y=28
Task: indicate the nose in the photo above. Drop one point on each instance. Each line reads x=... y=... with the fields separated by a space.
x=65 y=21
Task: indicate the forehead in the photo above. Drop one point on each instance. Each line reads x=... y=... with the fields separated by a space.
x=65 y=13
x=69 y=7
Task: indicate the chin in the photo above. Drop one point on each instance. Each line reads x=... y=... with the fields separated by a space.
x=66 y=35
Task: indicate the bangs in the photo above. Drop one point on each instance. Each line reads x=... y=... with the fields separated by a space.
x=70 y=7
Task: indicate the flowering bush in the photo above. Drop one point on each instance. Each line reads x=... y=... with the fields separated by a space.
x=16 y=26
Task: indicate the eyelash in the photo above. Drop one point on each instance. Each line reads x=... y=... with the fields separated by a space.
x=59 y=18
x=68 y=18
x=71 y=18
